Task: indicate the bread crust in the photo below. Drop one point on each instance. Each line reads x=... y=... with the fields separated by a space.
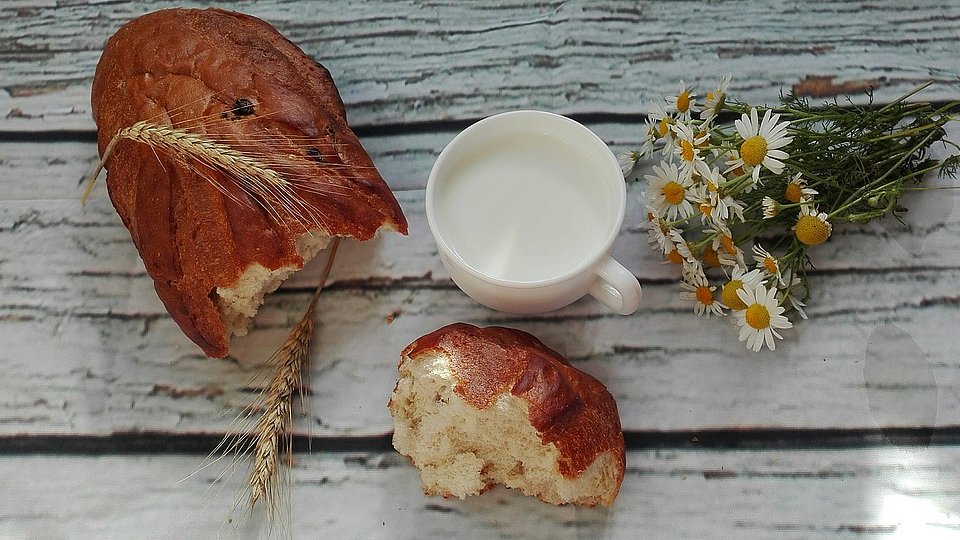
x=229 y=77
x=569 y=408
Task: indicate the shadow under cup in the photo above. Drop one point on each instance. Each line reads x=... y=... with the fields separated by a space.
x=523 y=205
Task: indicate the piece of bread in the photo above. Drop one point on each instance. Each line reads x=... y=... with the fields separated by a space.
x=214 y=246
x=475 y=407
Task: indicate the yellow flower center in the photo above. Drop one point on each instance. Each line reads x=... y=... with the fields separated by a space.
x=727 y=244
x=704 y=295
x=686 y=150
x=729 y=294
x=705 y=209
x=770 y=264
x=709 y=96
x=675 y=257
x=673 y=193
x=757 y=316
x=664 y=126
x=711 y=187
x=710 y=257
x=753 y=150
x=683 y=101
x=793 y=192
x=811 y=230
x=650 y=216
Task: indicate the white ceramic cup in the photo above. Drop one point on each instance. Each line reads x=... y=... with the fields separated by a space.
x=524 y=207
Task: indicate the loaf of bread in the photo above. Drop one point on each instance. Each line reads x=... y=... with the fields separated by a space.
x=215 y=237
x=475 y=407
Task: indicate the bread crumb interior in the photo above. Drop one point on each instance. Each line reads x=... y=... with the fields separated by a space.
x=238 y=304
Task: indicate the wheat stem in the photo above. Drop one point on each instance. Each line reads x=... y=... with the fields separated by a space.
x=276 y=421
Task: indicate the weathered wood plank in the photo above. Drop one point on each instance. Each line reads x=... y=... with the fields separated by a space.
x=57 y=170
x=666 y=494
x=92 y=350
x=46 y=227
x=86 y=372
x=413 y=62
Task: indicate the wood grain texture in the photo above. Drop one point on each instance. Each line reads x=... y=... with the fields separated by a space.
x=867 y=493
x=416 y=62
x=91 y=350
x=90 y=357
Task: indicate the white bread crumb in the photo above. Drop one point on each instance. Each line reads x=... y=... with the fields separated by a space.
x=238 y=304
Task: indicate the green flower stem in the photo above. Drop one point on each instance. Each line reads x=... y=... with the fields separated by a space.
x=857 y=198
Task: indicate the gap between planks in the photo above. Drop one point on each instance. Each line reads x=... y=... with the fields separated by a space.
x=155 y=442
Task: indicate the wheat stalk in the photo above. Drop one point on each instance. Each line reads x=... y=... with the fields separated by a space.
x=205 y=150
x=252 y=175
x=277 y=420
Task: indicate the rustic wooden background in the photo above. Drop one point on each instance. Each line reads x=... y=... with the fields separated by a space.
x=850 y=429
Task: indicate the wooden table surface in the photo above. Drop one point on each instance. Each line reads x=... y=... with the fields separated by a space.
x=850 y=429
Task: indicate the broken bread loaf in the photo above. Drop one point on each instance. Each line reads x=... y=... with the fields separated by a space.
x=230 y=161
x=475 y=407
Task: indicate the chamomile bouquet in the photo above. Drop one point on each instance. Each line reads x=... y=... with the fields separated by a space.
x=738 y=206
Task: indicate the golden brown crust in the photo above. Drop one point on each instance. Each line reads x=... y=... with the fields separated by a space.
x=229 y=77
x=568 y=407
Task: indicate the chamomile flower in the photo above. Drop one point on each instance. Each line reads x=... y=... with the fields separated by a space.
x=682 y=255
x=769 y=263
x=687 y=148
x=724 y=206
x=697 y=289
x=739 y=280
x=812 y=227
x=728 y=252
x=762 y=141
x=693 y=271
x=761 y=317
x=737 y=169
x=681 y=245
x=683 y=102
x=792 y=294
x=710 y=257
x=714 y=100
x=669 y=192
x=628 y=160
x=662 y=119
x=770 y=208
x=797 y=190
x=657 y=231
x=729 y=207
x=658 y=237
x=702 y=201
x=650 y=135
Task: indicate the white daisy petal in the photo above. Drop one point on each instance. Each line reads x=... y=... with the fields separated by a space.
x=744 y=129
x=762 y=316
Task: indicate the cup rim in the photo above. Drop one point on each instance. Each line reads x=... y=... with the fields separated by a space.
x=593 y=257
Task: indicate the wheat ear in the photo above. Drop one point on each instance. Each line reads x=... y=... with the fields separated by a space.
x=254 y=174
x=277 y=419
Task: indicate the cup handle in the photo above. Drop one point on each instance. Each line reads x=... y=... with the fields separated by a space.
x=616 y=287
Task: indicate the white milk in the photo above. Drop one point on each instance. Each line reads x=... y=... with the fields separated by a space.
x=524 y=208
